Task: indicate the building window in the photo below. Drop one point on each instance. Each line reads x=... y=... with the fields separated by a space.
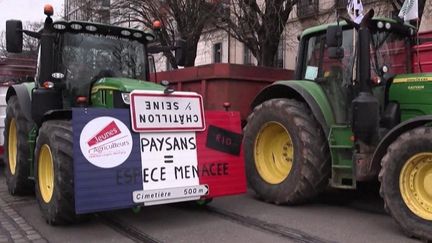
x=247 y=56
x=307 y=8
x=217 y=53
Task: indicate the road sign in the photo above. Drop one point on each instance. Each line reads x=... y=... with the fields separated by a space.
x=154 y=111
x=174 y=194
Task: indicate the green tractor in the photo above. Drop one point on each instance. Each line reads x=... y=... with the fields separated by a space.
x=354 y=113
x=80 y=64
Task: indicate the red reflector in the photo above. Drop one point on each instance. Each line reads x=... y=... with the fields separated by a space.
x=81 y=99
x=48 y=85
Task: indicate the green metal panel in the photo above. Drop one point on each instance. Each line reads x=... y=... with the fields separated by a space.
x=317 y=93
x=102 y=92
x=103 y=98
x=31 y=140
x=413 y=92
x=341 y=149
x=125 y=85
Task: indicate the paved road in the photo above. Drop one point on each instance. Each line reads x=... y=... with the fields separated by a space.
x=334 y=217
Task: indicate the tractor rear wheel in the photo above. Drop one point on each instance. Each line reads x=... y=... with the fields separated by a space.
x=406 y=182
x=17 y=151
x=286 y=153
x=54 y=172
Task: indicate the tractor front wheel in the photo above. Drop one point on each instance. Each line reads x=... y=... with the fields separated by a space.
x=406 y=182
x=17 y=151
x=286 y=153
x=54 y=172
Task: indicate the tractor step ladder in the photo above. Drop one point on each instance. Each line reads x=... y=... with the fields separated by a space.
x=341 y=150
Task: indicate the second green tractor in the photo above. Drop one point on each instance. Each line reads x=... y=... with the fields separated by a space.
x=355 y=112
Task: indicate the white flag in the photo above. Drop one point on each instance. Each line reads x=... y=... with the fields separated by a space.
x=409 y=10
x=355 y=10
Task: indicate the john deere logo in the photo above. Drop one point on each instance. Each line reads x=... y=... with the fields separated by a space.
x=106 y=142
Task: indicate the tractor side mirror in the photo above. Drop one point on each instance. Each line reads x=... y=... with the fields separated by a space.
x=334 y=36
x=14 y=36
x=334 y=40
x=180 y=52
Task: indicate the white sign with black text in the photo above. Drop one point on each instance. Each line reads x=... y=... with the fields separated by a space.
x=154 y=111
x=169 y=160
x=175 y=194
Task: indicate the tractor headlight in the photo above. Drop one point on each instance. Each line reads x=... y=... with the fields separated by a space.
x=126 y=98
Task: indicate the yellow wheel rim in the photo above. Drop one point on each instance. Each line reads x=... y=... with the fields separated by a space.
x=274 y=153
x=46 y=173
x=12 y=146
x=416 y=185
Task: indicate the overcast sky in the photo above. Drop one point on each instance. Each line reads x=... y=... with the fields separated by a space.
x=27 y=10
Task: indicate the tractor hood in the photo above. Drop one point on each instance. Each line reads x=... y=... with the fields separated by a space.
x=413 y=88
x=124 y=85
x=413 y=92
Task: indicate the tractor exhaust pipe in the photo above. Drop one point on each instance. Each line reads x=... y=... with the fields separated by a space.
x=363 y=64
x=365 y=107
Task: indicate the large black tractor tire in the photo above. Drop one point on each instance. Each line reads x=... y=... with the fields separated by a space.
x=54 y=170
x=286 y=153
x=406 y=182
x=17 y=151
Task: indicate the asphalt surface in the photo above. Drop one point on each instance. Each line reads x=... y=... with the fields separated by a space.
x=336 y=216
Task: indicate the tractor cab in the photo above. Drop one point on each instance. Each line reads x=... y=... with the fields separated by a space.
x=83 y=57
x=74 y=57
x=330 y=56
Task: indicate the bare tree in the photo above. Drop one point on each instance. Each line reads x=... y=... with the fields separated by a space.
x=184 y=19
x=30 y=44
x=259 y=25
x=3 y=52
x=87 y=10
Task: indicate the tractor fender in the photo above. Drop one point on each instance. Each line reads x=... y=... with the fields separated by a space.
x=22 y=92
x=393 y=134
x=305 y=91
x=56 y=115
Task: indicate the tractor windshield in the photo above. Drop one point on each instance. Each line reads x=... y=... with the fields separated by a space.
x=88 y=57
x=388 y=52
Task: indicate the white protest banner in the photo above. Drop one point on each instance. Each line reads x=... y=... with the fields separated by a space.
x=355 y=10
x=409 y=10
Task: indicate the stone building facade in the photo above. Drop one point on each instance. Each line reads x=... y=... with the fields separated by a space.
x=306 y=14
